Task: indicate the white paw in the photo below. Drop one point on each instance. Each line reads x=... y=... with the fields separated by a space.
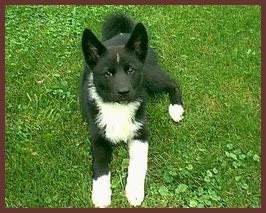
x=176 y=112
x=134 y=194
x=101 y=192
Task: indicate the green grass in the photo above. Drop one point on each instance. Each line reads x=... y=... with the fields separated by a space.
x=211 y=159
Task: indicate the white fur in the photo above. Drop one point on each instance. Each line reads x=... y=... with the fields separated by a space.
x=176 y=112
x=117 y=119
x=101 y=191
x=138 y=152
x=117 y=57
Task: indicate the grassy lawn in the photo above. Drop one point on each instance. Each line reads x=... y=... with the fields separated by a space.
x=211 y=159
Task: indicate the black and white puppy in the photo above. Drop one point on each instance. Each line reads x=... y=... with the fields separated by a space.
x=119 y=72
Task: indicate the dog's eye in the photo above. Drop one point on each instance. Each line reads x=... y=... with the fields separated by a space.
x=108 y=74
x=131 y=70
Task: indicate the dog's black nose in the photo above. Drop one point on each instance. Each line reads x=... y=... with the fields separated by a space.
x=123 y=92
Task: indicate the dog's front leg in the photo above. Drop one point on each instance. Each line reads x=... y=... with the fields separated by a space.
x=138 y=153
x=101 y=186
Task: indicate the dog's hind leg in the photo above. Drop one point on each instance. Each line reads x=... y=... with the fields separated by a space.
x=156 y=80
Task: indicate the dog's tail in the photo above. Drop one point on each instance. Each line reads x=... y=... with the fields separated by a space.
x=116 y=24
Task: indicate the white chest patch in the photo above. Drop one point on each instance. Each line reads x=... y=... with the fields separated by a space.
x=118 y=120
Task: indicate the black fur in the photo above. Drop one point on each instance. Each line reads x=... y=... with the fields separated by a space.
x=116 y=24
x=137 y=73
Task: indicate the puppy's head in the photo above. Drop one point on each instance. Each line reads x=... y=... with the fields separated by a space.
x=117 y=70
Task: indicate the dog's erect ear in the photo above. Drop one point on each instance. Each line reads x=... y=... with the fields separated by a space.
x=92 y=48
x=138 y=42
